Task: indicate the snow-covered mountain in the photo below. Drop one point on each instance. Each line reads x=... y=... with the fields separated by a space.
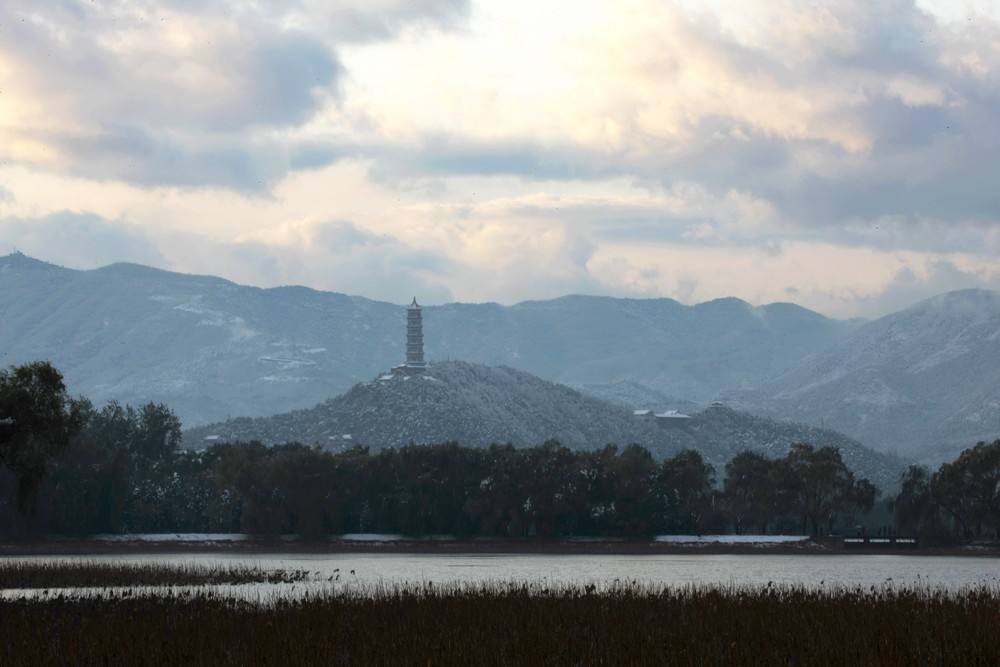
x=476 y=405
x=924 y=382
x=206 y=347
x=210 y=348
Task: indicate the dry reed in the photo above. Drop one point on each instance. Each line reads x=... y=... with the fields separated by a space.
x=513 y=624
x=87 y=574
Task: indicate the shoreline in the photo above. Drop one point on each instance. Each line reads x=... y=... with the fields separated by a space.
x=449 y=547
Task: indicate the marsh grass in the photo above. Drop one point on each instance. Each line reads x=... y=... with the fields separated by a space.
x=22 y=574
x=513 y=624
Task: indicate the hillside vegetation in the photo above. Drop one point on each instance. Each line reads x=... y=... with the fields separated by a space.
x=477 y=405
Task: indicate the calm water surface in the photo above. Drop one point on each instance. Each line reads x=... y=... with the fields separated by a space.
x=357 y=571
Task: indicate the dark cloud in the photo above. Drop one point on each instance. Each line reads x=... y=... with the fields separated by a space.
x=952 y=181
x=898 y=126
x=439 y=155
x=154 y=113
x=257 y=74
x=283 y=77
x=306 y=155
x=137 y=155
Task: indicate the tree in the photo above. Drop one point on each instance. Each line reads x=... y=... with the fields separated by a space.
x=913 y=507
x=87 y=487
x=498 y=502
x=37 y=421
x=686 y=481
x=969 y=489
x=822 y=487
x=749 y=492
x=637 y=506
x=248 y=471
x=553 y=483
x=156 y=436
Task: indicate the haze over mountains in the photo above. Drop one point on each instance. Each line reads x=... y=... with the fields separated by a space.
x=917 y=381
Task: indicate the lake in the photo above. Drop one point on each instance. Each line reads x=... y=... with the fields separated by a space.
x=338 y=572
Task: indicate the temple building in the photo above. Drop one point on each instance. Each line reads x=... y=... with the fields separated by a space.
x=415 y=364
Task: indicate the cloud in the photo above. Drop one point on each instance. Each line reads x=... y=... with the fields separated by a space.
x=179 y=93
x=913 y=284
x=368 y=21
x=144 y=157
x=166 y=69
x=503 y=151
x=829 y=110
x=339 y=256
x=67 y=238
x=896 y=233
x=438 y=155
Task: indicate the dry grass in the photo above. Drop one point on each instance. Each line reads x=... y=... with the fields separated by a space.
x=513 y=624
x=65 y=574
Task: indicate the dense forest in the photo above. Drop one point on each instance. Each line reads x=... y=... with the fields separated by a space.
x=70 y=468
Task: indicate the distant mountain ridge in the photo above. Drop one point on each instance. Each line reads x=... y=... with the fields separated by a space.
x=924 y=381
x=477 y=405
x=210 y=348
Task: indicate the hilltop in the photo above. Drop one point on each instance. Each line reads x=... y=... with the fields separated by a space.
x=477 y=405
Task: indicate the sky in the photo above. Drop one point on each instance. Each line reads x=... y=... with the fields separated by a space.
x=841 y=155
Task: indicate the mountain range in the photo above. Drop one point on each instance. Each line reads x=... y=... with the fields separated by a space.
x=923 y=382
x=210 y=348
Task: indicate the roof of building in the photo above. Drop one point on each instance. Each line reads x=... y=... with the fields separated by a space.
x=671 y=414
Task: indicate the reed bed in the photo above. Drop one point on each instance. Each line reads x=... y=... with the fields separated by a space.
x=94 y=574
x=513 y=624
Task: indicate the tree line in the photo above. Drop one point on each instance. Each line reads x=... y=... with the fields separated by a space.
x=71 y=468
x=960 y=499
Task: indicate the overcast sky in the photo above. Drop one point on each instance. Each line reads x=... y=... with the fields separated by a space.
x=841 y=155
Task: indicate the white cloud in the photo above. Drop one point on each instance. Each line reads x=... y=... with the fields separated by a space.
x=916 y=93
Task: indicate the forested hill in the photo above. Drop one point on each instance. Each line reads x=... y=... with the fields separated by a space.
x=472 y=404
x=478 y=405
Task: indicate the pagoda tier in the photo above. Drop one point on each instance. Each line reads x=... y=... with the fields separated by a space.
x=414 y=336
